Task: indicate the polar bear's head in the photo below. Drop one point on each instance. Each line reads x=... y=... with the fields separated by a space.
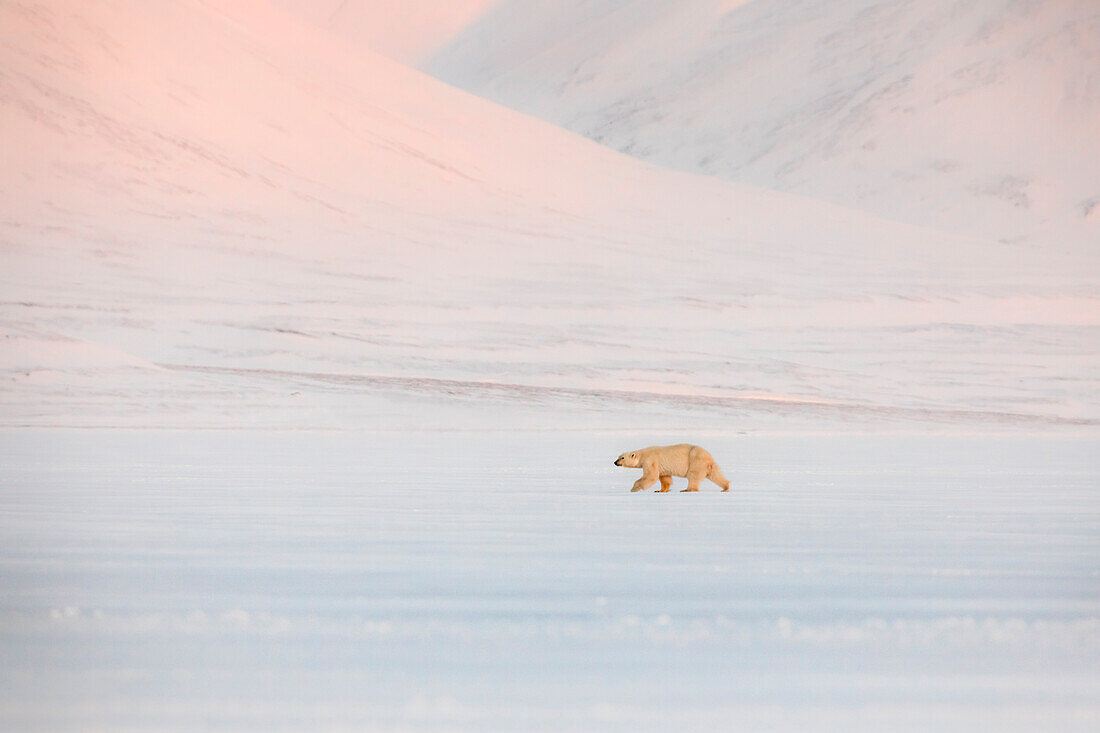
x=629 y=460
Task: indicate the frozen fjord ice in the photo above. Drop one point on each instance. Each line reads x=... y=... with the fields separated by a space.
x=448 y=581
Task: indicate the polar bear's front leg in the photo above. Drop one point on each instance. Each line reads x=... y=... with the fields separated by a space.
x=644 y=482
x=666 y=482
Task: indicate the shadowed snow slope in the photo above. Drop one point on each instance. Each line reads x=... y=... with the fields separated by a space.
x=217 y=214
x=976 y=117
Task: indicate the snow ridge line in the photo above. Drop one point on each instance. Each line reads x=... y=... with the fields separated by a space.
x=463 y=388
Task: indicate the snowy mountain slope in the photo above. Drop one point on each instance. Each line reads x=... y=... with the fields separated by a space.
x=215 y=214
x=974 y=117
x=409 y=31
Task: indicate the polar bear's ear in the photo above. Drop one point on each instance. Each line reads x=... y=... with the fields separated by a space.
x=633 y=455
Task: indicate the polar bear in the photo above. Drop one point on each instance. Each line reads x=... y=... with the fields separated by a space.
x=665 y=461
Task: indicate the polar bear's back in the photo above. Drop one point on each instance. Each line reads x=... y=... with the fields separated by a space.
x=674 y=460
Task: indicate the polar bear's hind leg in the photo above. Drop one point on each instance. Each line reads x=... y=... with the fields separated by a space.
x=716 y=476
x=695 y=476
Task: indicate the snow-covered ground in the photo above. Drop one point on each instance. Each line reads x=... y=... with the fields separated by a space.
x=312 y=369
x=509 y=581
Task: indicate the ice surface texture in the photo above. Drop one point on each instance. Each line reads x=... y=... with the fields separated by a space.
x=443 y=582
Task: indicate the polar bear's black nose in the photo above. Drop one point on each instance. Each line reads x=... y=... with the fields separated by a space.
x=617 y=461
